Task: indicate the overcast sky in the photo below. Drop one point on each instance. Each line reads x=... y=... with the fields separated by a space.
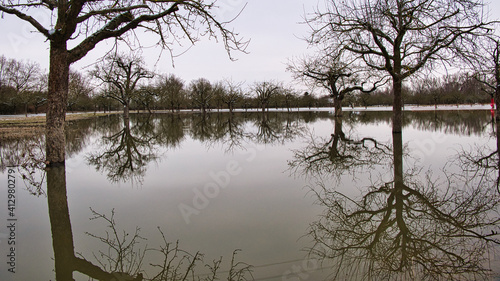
x=273 y=26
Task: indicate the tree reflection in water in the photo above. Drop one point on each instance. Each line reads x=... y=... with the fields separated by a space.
x=124 y=154
x=414 y=227
x=338 y=155
x=127 y=152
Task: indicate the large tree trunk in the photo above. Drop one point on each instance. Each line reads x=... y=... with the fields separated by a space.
x=397 y=107
x=57 y=101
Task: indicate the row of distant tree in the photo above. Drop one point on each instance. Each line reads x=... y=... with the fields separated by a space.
x=454 y=89
x=124 y=82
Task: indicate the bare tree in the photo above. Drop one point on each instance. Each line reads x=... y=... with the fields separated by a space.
x=337 y=74
x=265 y=91
x=201 y=93
x=399 y=37
x=40 y=91
x=122 y=73
x=18 y=79
x=79 y=89
x=290 y=97
x=170 y=90
x=84 y=24
x=24 y=78
x=219 y=91
x=232 y=94
x=146 y=98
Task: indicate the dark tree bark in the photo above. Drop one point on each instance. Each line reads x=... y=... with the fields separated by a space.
x=57 y=101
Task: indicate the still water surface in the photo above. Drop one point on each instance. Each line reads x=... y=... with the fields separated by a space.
x=303 y=196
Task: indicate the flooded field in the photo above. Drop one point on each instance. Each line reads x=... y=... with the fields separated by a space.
x=275 y=196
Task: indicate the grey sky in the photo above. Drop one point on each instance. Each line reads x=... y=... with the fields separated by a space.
x=271 y=25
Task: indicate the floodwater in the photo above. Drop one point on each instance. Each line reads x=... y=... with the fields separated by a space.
x=295 y=196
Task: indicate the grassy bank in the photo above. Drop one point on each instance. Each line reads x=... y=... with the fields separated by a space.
x=25 y=127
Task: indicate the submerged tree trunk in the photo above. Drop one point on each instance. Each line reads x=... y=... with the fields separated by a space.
x=126 y=110
x=337 y=104
x=57 y=101
x=337 y=136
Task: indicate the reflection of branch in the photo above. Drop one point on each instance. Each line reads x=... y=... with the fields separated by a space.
x=28 y=155
x=32 y=167
x=173 y=258
x=124 y=259
x=480 y=166
x=121 y=255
